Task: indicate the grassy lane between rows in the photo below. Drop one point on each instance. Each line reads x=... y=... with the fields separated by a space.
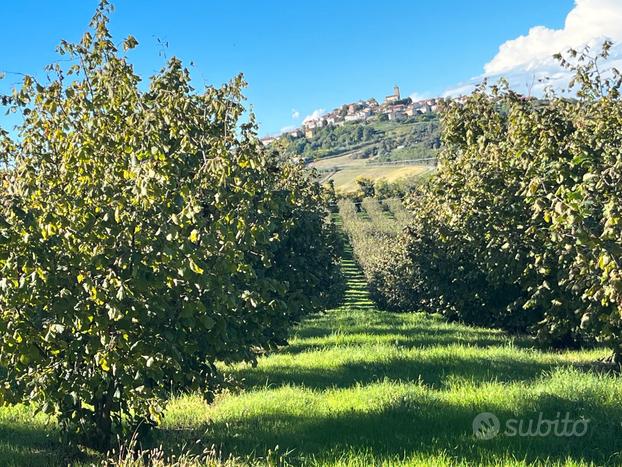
x=357 y=386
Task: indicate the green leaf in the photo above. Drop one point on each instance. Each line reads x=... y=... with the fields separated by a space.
x=129 y=43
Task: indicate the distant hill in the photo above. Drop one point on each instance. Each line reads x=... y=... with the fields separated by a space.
x=377 y=149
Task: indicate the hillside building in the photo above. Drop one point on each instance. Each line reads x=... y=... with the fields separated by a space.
x=393 y=97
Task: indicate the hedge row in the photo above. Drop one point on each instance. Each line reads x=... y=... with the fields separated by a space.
x=521 y=228
x=145 y=234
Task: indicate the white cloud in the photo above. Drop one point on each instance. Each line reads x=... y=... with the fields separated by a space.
x=416 y=96
x=287 y=129
x=588 y=23
x=527 y=61
x=315 y=115
x=295 y=114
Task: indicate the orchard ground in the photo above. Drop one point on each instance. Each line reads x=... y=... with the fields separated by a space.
x=358 y=386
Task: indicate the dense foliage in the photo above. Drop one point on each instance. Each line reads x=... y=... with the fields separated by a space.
x=520 y=228
x=331 y=140
x=419 y=139
x=144 y=236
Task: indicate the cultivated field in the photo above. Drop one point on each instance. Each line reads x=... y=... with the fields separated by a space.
x=348 y=169
x=345 y=180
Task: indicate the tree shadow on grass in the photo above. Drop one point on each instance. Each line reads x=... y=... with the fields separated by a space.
x=436 y=371
x=419 y=349
x=413 y=326
x=405 y=337
x=22 y=445
x=414 y=426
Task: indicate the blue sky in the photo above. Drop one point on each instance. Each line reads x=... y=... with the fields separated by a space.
x=302 y=56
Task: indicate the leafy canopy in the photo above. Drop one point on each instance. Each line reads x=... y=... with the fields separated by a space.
x=144 y=235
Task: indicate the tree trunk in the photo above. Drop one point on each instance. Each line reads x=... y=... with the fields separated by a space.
x=102 y=435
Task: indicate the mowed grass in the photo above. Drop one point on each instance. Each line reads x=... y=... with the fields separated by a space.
x=357 y=387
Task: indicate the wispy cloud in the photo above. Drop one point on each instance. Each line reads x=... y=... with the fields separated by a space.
x=417 y=96
x=287 y=129
x=315 y=115
x=295 y=114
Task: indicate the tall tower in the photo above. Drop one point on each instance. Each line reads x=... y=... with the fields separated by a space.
x=396 y=91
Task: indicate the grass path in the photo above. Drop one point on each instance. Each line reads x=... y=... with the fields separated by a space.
x=357 y=386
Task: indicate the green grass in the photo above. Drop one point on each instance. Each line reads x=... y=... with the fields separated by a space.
x=357 y=386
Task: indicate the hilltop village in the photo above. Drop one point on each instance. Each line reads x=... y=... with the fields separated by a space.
x=393 y=108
